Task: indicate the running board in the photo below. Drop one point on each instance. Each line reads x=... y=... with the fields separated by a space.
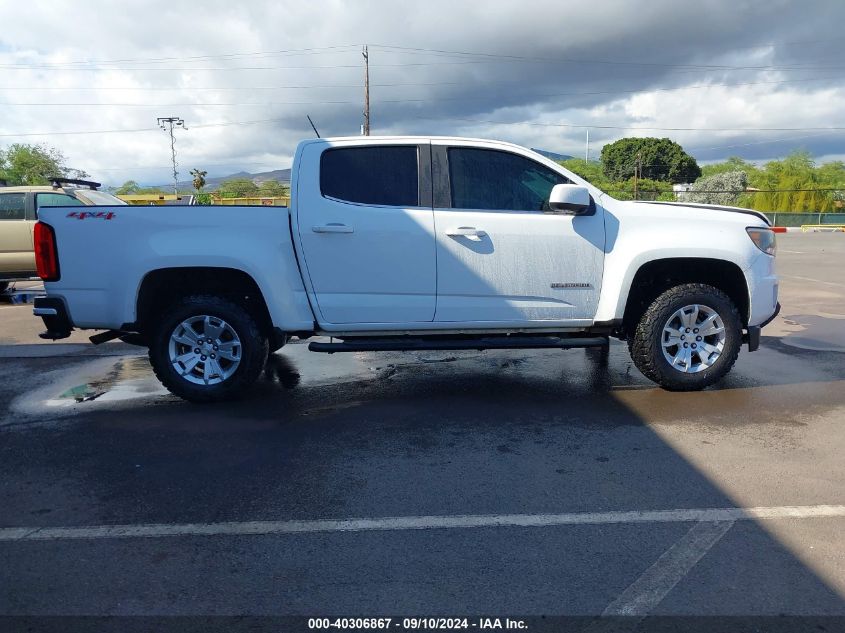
x=502 y=342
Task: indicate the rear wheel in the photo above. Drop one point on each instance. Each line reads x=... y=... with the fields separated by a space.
x=207 y=349
x=688 y=338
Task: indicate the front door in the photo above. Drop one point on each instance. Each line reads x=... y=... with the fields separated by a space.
x=502 y=256
x=366 y=228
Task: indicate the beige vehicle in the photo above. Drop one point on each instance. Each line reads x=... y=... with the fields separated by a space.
x=19 y=210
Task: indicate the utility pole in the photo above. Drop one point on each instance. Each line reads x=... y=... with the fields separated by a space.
x=637 y=171
x=587 y=152
x=167 y=124
x=366 y=126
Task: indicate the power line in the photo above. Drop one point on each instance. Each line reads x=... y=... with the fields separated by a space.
x=419 y=100
x=487 y=59
x=522 y=58
x=631 y=127
x=344 y=48
x=239 y=68
x=556 y=125
x=775 y=140
x=250 y=88
x=284 y=52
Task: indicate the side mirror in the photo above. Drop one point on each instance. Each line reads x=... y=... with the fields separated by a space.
x=570 y=199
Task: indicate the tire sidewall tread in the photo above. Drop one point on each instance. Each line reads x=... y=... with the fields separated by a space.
x=254 y=349
x=645 y=344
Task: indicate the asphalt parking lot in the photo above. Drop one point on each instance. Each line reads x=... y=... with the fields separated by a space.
x=523 y=483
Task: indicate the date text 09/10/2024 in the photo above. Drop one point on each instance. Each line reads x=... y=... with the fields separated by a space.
x=415 y=624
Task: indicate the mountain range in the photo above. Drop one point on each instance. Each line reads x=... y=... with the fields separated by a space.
x=212 y=183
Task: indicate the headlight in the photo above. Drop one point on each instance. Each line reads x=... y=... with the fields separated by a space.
x=764 y=239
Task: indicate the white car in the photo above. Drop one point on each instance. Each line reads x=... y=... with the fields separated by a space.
x=408 y=243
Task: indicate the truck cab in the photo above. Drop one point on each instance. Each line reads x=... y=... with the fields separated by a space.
x=434 y=235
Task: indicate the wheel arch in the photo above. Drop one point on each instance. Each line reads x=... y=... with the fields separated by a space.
x=658 y=275
x=163 y=287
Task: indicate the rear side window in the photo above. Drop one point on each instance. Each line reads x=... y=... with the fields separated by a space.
x=499 y=181
x=56 y=200
x=12 y=206
x=385 y=175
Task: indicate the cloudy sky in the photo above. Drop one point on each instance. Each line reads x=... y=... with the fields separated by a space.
x=721 y=77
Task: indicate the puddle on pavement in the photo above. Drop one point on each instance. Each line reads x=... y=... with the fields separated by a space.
x=816 y=332
x=132 y=377
x=129 y=378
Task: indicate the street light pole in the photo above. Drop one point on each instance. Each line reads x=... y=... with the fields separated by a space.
x=167 y=124
x=366 y=127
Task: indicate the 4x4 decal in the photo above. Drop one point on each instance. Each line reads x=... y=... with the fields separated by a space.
x=99 y=215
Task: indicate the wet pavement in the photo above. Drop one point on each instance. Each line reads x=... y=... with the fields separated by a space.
x=487 y=482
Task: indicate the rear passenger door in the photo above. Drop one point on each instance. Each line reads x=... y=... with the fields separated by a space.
x=366 y=230
x=16 y=251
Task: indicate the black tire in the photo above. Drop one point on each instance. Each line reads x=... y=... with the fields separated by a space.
x=253 y=349
x=3 y=286
x=646 y=343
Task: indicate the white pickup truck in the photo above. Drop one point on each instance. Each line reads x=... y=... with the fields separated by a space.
x=409 y=243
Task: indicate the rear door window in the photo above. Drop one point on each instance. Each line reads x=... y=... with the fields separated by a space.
x=378 y=175
x=12 y=206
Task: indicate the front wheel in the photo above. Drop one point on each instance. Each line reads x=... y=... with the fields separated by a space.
x=688 y=338
x=207 y=349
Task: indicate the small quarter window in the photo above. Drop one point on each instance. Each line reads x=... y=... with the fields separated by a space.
x=379 y=174
x=12 y=206
x=56 y=200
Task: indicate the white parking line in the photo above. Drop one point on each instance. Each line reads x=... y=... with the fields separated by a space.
x=647 y=591
x=244 y=528
x=818 y=281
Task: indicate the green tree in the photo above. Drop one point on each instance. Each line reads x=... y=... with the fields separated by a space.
x=132 y=188
x=591 y=171
x=272 y=188
x=238 y=188
x=796 y=184
x=647 y=189
x=734 y=163
x=199 y=179
x=128 y=188
x=22 y=164
x=659 y=158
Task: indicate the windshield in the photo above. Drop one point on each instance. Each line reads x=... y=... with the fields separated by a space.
x=98 y=197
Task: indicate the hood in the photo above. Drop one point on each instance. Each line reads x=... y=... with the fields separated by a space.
x=712 y=207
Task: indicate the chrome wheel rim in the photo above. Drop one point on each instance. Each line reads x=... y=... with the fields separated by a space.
x=205 y=350
x=693 y=338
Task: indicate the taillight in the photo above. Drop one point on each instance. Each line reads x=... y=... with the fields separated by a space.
x=46 y=255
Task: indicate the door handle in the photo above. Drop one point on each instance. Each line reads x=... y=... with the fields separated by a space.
x=469 y=232
x=332 y=227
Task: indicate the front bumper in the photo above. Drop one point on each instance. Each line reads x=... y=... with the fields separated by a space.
x=752 y=337
x=53 y=312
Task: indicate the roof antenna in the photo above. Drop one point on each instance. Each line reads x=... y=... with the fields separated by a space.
x=313 y=127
